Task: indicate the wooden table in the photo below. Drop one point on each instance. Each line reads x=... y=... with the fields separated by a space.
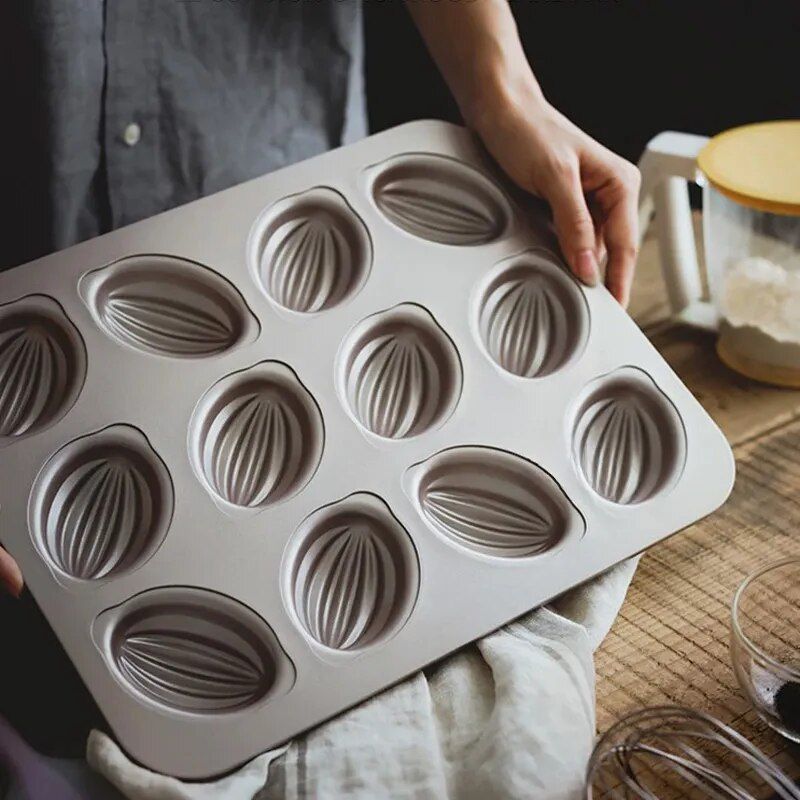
x=670 y=642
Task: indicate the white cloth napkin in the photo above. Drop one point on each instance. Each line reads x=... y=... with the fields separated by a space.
x=511 y=716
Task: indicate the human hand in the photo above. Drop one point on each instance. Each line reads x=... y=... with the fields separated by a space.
x=10 y=574
x=593 y=193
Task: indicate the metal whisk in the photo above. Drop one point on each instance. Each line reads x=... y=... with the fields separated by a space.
x=676 y=752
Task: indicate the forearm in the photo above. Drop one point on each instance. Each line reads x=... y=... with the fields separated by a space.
x=477 y=48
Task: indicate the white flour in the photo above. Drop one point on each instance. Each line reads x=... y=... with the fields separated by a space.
x=763 y=294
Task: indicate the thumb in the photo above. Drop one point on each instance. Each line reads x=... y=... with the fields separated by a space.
x=10 y=575
x=573 y=222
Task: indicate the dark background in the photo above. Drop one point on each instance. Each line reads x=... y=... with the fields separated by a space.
x=623 y=70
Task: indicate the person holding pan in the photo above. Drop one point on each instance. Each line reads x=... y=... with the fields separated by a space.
x=121 y=109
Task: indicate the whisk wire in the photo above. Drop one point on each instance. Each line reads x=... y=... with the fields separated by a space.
x=699 y=751
x=698 y=775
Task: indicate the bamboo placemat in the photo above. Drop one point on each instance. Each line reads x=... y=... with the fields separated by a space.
x=670 y=642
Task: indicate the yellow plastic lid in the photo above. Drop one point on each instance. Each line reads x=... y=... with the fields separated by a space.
x=757 y=165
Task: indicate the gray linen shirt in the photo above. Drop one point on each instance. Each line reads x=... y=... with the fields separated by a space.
x=114 y=110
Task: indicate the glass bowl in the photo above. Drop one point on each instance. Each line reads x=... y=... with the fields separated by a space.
x=765 y=644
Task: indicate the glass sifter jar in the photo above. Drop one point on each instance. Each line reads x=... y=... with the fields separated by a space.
x=750 y=177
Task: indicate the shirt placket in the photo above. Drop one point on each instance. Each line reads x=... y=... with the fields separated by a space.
x=130 y=110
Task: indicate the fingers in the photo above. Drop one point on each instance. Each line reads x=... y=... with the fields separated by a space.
x=10 y=575
x=598 y=218
x=621 y=232
x=574 y=225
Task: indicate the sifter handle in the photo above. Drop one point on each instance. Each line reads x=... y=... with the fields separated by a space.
x=668 y=163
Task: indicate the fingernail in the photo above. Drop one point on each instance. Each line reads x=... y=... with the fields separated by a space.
x=586 y=267
x=620 y=291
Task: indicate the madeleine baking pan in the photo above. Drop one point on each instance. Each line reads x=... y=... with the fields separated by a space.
x=268 y=453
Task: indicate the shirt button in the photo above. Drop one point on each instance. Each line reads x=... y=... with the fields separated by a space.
x=132 y=134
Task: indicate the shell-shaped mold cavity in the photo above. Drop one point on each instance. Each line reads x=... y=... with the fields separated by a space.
x=256 y=437
x=310 y=252
x=440 y=199
x=493 y=502
x=101 y=505
x=628 y=442
x=351 y=574
x=168 y=306
x=42 y=366
x=399 y=372
x=193 y=650
x=533 y=318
